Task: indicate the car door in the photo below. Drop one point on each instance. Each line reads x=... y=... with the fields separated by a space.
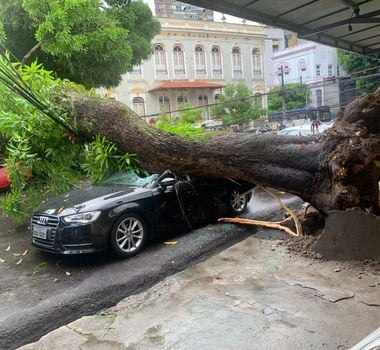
x=173 y=205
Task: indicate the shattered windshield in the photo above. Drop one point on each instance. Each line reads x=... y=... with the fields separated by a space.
x=128 y=178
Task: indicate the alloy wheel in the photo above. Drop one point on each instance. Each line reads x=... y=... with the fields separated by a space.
x=129 y=234
x=238 y=201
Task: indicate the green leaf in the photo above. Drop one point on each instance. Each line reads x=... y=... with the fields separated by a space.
x=42 y=263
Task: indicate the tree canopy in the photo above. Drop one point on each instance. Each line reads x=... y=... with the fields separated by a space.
x=296 y=96
x=353 y=62
x=91 y=42
x=237 y=104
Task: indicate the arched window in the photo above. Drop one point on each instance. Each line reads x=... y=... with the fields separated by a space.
x=216 y=60
x=302 y=65
x=256 y=63
x=164 y=104
x=138 y=105
x=202 y=100
x=237 y=69
x=302 y=70
x=200 y=61
x=181 y=100
x=178 y=60
x=160 y=60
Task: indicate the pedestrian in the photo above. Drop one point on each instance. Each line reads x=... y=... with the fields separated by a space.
x=315 y=126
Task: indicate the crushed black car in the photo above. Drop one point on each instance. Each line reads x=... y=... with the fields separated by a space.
x=125 y=210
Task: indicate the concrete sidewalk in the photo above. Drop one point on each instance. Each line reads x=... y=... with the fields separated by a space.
x=254 y=295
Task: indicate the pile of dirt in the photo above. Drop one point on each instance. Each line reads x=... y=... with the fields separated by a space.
x=303 y=246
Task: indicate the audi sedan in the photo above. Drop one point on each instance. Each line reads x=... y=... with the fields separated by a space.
x=126 y=210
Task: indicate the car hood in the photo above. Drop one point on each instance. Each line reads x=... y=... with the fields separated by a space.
x=91 y=198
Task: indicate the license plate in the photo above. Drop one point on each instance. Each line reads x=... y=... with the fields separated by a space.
x=39 y=231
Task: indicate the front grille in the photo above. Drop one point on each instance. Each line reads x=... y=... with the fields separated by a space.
x=49 y=221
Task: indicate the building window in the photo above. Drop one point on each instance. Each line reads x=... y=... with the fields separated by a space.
x=216 y=60
x=256 y=63
x=330 y=70
x=164 y=104
x=302 y=69
x=318 y=70
x=203 y=101
x=200 y=61
x=138 y=105
x=275 y=46
x=237 y=70
x=181 y=101
x=216 y=98
x=160 y=60
x=318 y=94
x=178 y=60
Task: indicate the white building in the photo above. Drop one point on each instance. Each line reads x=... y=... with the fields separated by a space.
x=192 y=61
x=307 y=63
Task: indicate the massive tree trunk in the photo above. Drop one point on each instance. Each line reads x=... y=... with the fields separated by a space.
x=338 y=171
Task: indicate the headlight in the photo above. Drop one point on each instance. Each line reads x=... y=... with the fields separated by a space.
x=82 y=218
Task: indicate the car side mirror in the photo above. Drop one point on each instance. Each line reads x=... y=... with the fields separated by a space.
x=166 y=182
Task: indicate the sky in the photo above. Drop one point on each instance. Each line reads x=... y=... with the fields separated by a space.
x=217 y=15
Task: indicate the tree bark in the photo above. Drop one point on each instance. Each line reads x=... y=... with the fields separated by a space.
x=338 y=171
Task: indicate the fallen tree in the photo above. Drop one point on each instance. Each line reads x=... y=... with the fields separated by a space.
x=340 y=170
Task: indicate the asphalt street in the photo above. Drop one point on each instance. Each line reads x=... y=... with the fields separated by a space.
x=41 y=291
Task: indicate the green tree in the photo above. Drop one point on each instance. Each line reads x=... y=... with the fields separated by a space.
x=296 y=96
x=42 y=156
x=353 y=62
x=91 y=42
x=243 y=107
x=183 y=125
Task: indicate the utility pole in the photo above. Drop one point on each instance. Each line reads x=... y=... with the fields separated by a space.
x=282 y=94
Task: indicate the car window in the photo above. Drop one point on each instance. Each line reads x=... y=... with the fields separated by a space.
x=128 y=179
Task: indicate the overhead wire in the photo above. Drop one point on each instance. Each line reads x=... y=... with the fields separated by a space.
x=11 y=78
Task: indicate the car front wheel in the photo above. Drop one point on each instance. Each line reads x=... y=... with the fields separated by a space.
x=237 y=202
x=128 y=235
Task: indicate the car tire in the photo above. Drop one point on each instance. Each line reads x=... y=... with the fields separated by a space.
x=237 y=203
x=128 y=235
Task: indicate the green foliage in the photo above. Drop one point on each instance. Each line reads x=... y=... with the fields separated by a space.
x=2 y=33
x=103 y=157
x=243 y=107
x=42 y=158
x=91 y=42
x=296 y=96
x=182 y=125
x=36 y=147
x=353 y=62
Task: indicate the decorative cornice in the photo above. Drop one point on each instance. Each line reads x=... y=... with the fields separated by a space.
x=296 y=49
x=210 y=26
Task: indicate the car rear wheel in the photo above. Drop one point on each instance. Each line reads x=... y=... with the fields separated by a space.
x=128 y=235
x=237 y=202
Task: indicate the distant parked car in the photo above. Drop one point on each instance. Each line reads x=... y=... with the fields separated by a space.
x=4 y=179
x=210 y=123
x=125 y=210
x=304 y=130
